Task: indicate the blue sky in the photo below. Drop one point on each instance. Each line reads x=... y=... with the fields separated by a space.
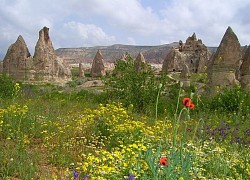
x=81 y=23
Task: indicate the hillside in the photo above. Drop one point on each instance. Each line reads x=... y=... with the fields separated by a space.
x=153 y=54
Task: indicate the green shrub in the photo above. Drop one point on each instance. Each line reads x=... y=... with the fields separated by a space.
x=129 y=86
x=231 y=100
x=7 y=86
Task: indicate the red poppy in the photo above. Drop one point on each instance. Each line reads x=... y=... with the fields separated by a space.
x=164 y=161
x=186 y=102
x=192 y=106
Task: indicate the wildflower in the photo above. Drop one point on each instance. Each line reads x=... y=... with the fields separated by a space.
x=75 y=173
x=164 y=161
x=86 y=177
x=191 y=106
x=130 y=177
x=188 y=103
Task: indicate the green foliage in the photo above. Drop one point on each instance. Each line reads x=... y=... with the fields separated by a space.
x=130 y=86
x=231 y=100
x=13 y=157
x=7 y=86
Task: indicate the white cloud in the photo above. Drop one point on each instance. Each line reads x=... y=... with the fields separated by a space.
x=97 y=22
x=76 y=34
x=129 y=14
x=210 y=18
x=131 y=41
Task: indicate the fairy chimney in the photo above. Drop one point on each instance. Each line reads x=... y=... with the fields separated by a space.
x=17 y=61
x=245 y=70
x=171 y=62
x=48 y=66
x=224 y=62
x=81 y=70
x=139 y=62
x=98 y=68
x=1 y=66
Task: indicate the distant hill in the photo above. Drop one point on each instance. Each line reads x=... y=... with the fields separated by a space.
x=152 y=54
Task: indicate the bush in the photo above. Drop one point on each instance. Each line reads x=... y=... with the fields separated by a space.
x=129 y=86
x=231 y=100
x=7 y=87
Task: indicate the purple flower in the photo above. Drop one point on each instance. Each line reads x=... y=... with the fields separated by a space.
x=131 y=177
x=75 y=173
x=86 y=177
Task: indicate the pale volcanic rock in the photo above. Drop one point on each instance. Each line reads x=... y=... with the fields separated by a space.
x=139 y=62
x=225 y=61
x=98 y=68
x=193 y=53
x=48 y=66
x=18 y=61
x=245 y=70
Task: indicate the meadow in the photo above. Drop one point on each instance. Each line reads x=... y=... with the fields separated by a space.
x=139 y=127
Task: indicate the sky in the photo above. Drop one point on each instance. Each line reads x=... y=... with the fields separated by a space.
x=86 y=23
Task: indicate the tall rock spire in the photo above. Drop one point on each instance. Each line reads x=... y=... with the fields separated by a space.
x=98 y=68
x=139 y=62
x=224 y=63
x=48 y=66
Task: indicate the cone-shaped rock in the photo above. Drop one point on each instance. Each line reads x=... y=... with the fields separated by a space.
x=245 y=70
x=48 y=66
x=139 y=62
x=17 y=60
x=170 y=63
x=98 y=68
x=225 y=61
x=229 y=52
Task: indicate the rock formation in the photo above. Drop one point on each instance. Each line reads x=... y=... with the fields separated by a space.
x=1 y=67
x=81 y=70
x=185 y=76
x=193 y=53
x=48 y=66
x=18 y=61
x=97 y=68
x=245 y=70
x=172 y=61
x=139 y=62
x=224 y=62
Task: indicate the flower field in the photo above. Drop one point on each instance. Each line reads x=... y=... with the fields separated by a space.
x=57 y=137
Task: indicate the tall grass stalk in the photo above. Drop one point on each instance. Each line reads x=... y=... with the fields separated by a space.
x=157 y=101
